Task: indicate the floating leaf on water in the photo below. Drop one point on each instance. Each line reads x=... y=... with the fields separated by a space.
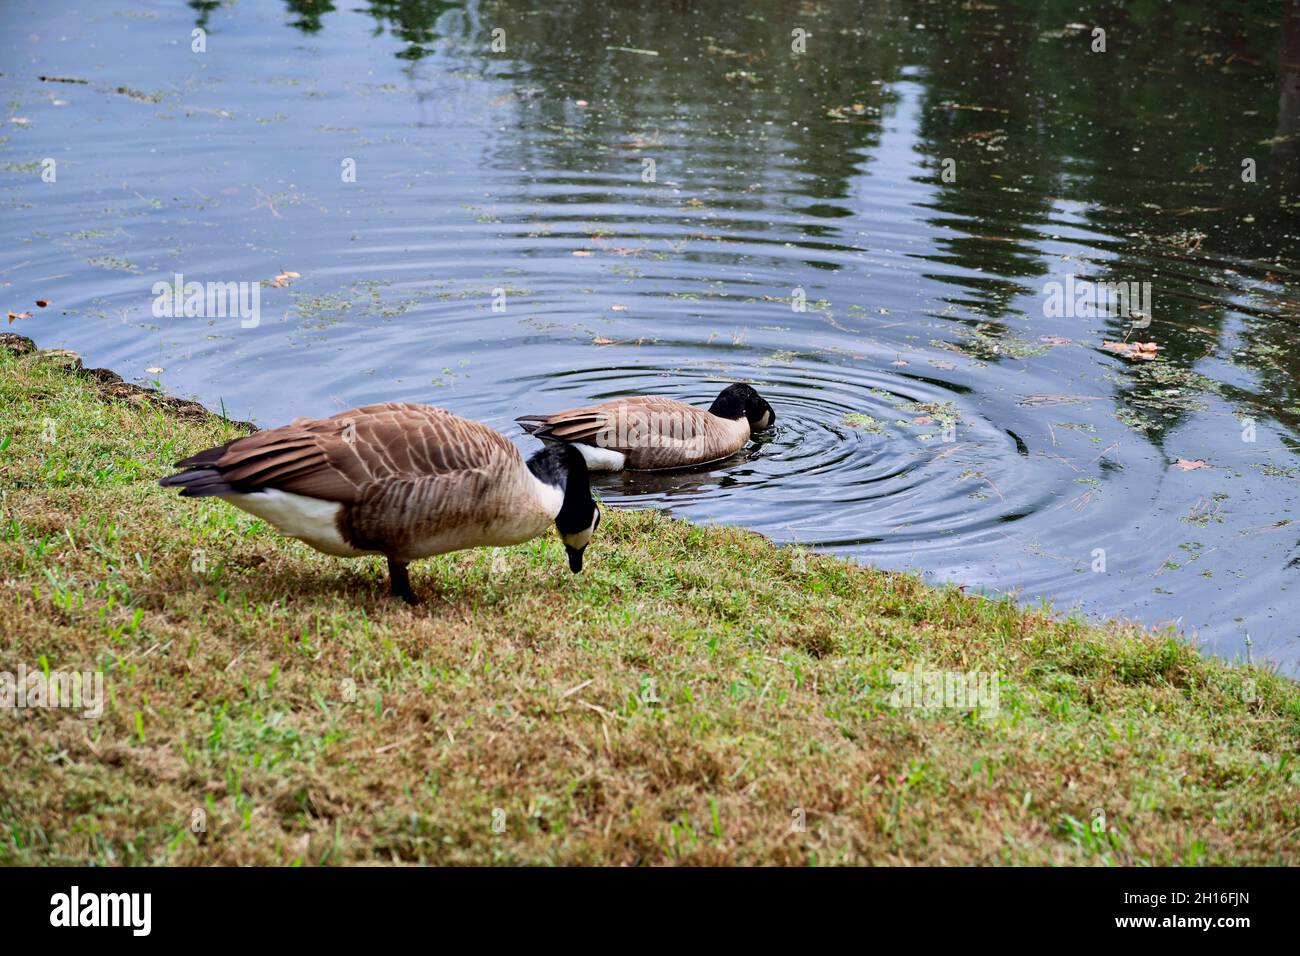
x=42 y=303
x=843 y=113
x=1192 y=465
x=19 y=315
x=1132 y=350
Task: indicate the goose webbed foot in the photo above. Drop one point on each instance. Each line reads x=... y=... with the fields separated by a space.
x=401 y=582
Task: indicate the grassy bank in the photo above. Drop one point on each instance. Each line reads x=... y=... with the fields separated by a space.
x=690 y=697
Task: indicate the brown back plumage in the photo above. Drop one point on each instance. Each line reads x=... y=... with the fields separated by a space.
x=340 y=457
x=651 y=432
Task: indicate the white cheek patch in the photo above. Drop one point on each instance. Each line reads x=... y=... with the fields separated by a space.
x=581 y=539
x=766 y=420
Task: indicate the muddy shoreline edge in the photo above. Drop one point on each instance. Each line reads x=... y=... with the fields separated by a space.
x=112 y=387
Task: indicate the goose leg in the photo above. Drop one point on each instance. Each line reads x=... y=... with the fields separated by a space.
x=401 y=581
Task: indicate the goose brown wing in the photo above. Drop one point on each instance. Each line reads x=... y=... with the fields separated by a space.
x=595 y=425
x=336 y=458
x=650 y=431
x=570 y=425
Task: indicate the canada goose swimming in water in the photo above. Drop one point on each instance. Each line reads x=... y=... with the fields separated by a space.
x=649 y=433
x=402 y=480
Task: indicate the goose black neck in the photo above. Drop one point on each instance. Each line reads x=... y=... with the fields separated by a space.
x=563 y=466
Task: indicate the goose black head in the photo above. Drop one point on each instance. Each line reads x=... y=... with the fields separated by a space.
x=737 y=400
x=563 y=467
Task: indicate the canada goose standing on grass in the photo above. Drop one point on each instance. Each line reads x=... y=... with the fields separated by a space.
x=649 y=433
x=402 y=480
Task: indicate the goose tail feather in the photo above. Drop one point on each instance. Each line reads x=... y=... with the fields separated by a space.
x=539 y=426
x=199 y=483
x=206 y=458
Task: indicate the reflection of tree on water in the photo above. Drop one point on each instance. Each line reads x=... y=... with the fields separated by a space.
x=733 y=85
x=309 y=13
x=412 y=21
x=1036 y=121
x=204 y=10
x=725 y=83
x=979 y=110
x=1285 y=156
x=1123 y=133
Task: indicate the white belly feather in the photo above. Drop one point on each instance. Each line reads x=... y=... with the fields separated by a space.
x=308 y=519
x=601 y=459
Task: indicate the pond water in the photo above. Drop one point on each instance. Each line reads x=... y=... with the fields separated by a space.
x=862 y=208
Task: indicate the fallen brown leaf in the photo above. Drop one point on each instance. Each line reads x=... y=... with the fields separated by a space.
x=1132 y=350
x=1186 y=465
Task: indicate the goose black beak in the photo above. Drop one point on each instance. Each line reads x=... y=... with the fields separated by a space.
x=575 y=558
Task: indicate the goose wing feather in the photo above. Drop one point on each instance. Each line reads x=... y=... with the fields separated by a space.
x=651 y=431
x=340 y=457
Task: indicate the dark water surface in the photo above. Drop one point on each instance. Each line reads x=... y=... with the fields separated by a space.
x=934 y=412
